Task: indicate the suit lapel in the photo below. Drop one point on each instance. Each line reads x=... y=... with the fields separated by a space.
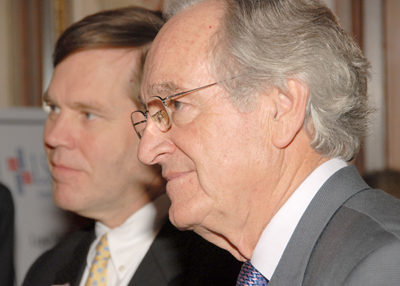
x=163 y=263
x=333 y=194
x=73 y=270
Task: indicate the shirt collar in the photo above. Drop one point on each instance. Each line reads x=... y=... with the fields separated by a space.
x=144 y=224
x=276 y=235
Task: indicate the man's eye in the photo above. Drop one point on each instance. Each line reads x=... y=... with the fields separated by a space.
x=176 y=105
x=50 y=108
x=90 y=116
x=160 y=116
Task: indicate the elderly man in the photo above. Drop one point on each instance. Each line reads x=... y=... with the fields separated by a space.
x=255 y=107
x=91 y=152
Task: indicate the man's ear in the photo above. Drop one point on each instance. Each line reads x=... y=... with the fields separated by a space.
x=290 y=113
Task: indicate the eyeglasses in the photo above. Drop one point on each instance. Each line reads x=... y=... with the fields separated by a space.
x=159 y=111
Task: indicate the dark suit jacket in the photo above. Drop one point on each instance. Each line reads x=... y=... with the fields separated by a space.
x=349 y=235
x=175 y=258
x=6 y=237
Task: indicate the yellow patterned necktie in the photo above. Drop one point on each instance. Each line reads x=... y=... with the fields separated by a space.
x=98 y=271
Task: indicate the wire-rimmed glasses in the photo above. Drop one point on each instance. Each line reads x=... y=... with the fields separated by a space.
x=159 y=111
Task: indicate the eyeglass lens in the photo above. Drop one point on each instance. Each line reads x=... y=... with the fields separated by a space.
x=139 y=122
x=159 y=113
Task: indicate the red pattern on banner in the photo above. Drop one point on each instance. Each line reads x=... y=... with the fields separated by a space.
x=13 y=164
x=27 y=178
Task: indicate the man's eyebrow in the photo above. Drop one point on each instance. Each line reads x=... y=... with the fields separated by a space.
x=162 y=90
x=91 y=105
x=165 y=89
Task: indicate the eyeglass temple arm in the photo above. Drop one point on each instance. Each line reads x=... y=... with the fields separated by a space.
x=190 y=91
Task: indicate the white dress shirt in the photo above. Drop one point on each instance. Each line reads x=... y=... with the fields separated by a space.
x=129 y=242
x=278 y=232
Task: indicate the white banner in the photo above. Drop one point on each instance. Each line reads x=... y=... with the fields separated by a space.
x=39 y=223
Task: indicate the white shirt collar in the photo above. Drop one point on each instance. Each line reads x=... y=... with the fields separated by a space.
x=130 y=241
x=276 y=235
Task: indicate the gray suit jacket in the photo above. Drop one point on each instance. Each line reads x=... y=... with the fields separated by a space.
x=349 y=235
x=176 y=258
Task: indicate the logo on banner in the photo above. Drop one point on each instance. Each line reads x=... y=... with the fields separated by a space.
x=27 y=170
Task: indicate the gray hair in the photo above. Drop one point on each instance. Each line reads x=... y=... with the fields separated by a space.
x=271 y=41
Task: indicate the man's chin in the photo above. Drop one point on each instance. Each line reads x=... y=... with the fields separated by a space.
x=181 y=222
x=63 y=198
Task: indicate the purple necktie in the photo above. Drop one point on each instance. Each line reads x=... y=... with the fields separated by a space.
x=249 y=276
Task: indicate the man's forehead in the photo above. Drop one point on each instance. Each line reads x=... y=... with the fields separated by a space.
x=178 y=57
x=189 y=31
x=193 y=27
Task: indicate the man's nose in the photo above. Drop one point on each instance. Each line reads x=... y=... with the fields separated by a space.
x=58 y=132
x=154 y=146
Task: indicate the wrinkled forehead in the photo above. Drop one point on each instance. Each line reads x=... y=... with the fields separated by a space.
x=178 y=56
